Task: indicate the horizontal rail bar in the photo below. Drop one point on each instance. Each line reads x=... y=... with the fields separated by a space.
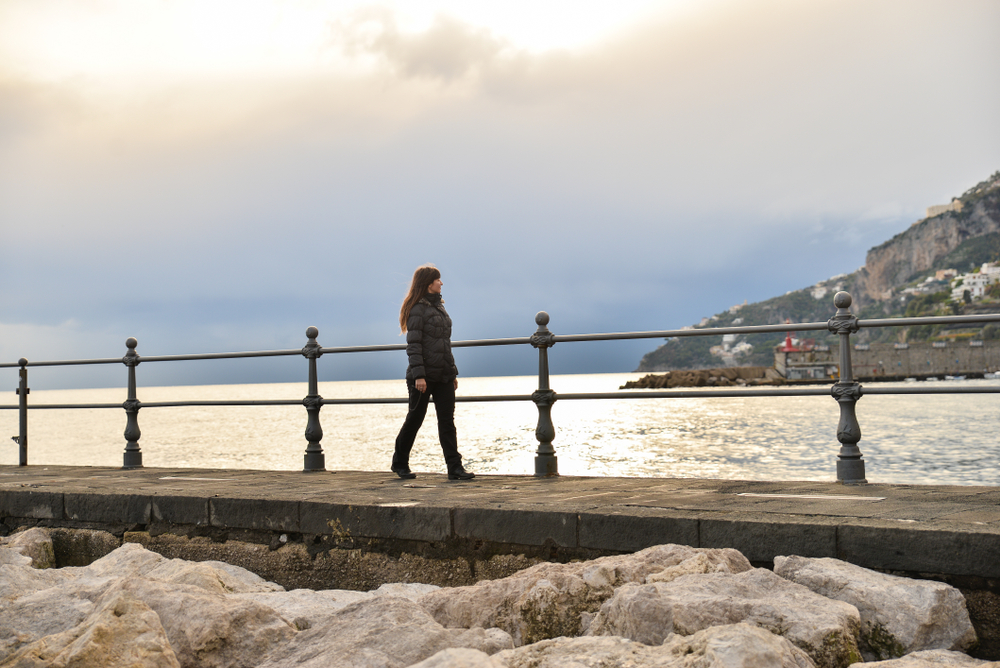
x=454 y=344
x=106 y=360
x=930 y=320
x=932 y=390
x=569 y=396
x=216 y=356
x=707 y=331
x=681 y=394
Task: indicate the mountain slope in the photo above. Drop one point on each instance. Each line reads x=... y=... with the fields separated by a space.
x=959 y=240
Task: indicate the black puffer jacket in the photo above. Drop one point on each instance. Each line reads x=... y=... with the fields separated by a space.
x=428 y=342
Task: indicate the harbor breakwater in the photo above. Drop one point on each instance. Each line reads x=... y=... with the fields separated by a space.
x=359 y=531
x=667 y=606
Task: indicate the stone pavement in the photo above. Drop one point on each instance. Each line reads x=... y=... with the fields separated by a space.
x=946 y=530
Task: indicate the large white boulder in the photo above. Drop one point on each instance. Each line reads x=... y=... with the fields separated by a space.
x=384 y=631
x=459 y=658
x=35 y=544
x=305 y=608
x=204 y=625
x=825 y=629
x=551 y=600
x=732 y=646
x=930 y=658
x=37 y=603
x=898 y=615
x=736 y=646
x=121 y=630
x=215 y=576
x=210 y=629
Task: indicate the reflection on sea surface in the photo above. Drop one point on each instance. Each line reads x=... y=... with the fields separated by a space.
x=905 y=439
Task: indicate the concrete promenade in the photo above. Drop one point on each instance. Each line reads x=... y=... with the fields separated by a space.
x=357 y=530
x=949 y=531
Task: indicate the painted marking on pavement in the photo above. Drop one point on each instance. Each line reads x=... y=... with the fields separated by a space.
x=175 y=477
x=831 y=497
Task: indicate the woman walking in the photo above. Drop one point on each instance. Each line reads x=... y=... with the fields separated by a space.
x=431 y=373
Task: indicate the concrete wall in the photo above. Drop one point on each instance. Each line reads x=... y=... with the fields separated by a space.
x=884 y=359
x=922 y=359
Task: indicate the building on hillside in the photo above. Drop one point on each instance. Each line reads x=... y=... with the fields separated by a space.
x=976 y=283
x=938 y=209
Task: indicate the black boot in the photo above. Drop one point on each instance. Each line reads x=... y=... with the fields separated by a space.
x=404 y=472
x=459 y=473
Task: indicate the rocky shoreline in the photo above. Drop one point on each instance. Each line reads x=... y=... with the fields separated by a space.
x=721 y=377
x=666 y=606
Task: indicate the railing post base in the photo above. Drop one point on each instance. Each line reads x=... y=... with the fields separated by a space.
x=314 y=461
x=546 y=466
x=851 y=472
x=132 y=460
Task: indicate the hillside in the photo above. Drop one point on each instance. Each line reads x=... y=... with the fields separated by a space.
x=898 y=279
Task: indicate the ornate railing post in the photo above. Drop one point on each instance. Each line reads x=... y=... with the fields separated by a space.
x=546 y=462
x=22 y=410
x=850 y=465
x=133 y=455
x=315 y=460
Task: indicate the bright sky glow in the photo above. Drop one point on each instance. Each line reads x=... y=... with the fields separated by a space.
x=55 y=39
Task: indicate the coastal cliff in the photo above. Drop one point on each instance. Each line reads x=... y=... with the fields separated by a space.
x=921 y=247
x=899 y=278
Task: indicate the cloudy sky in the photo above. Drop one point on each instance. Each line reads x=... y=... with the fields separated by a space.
x=213 y=175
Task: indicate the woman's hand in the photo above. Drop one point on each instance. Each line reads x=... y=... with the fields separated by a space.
x=456 y=383
x=421 y=384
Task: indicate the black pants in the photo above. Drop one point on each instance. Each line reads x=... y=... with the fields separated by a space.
x=444 y=405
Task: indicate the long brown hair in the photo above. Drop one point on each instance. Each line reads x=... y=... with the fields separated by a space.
x=422 y=279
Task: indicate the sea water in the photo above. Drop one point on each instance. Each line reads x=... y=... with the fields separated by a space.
x=935 y=439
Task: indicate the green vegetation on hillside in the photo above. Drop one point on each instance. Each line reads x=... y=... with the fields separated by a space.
x=815 y=304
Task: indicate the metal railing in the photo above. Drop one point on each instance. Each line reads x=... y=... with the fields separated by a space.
x=846 y=391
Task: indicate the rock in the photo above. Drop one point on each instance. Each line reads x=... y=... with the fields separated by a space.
x=216 y=576
x=585 y=652
x=34 y=543
x=410 y=590
x=703 y=562
x=206 y=628
x=384 y=631
x=13 y=557
x=825 y=629
x=305 y=608
x=129 y=560
x=898 y=615
x=459 y=658
x=551 y=600
x=731 y=646
x=29 y=596
x=930 y=658
x=736 y=646
x=120 y=631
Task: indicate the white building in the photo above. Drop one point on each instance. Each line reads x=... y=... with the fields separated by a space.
x=977 y=283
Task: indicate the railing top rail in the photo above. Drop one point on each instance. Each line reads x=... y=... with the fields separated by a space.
x=608 y=336
x=930 y=320
x=704 y=331
x=813 y=391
